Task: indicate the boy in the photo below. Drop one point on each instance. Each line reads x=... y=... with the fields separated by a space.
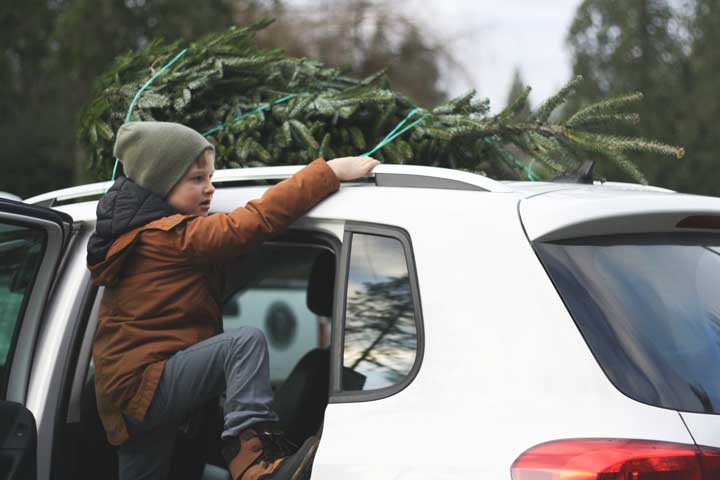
x=158 y=353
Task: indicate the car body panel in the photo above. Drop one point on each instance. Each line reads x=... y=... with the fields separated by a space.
x=504 y=365
x=51 y=359
x=453 y=411
x=574 y=213
x=705 y=428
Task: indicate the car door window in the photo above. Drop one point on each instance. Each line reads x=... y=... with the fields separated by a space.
x=21 y=251
x=270 y=292
x=380 y=341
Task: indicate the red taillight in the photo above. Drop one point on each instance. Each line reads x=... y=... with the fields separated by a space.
x=710 y=462
x=616 y=459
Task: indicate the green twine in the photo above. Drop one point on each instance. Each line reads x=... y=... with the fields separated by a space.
x=259 y=109
x=142 y=89
x=531 y=175
x=397 y=131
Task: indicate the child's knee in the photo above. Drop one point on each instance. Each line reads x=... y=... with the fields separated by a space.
x=251 y=336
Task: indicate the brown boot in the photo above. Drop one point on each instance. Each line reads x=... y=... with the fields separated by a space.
x=263 y=455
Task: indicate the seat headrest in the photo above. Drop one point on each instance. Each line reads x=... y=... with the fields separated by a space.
x=321 y=285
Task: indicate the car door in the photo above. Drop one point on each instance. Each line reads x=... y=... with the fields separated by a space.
x=377 y=351
x=32 y=241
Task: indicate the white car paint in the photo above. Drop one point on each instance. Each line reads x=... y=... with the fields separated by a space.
x=705 y=428
x=505 y=367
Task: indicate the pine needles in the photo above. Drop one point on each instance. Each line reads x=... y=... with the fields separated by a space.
x=224 y=76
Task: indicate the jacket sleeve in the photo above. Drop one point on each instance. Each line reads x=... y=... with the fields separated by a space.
x=218 y=236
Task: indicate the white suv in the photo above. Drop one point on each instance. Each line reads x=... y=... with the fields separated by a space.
x=454 y=327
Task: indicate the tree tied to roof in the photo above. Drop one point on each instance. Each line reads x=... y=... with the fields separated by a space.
x=225 y=75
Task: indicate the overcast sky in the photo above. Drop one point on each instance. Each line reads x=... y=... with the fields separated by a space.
x=491 y=38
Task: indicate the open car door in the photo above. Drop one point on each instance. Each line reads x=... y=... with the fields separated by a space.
x=32 y=242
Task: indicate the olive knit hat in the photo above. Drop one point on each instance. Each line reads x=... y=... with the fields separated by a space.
x=156 y=155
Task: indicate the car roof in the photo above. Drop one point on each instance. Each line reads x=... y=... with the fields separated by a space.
x=546 y=207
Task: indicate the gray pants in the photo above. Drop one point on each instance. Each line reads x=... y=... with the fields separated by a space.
x=235 y=362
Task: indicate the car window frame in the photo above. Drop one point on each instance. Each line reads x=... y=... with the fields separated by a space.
x=19 y=359
x=303 y=237
x=337 y=394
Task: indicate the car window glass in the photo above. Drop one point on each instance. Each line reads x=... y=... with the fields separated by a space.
x=649 y=309
x=21 y=250
x=271 y=293
x=380 y=336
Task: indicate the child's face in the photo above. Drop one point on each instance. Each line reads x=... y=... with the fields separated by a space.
x=193 y=193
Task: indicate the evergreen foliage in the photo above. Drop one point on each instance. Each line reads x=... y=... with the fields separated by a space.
x=624 y=45
x=224 y=76
x=517 y=90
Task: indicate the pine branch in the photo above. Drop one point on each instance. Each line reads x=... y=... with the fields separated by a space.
x=224 y=77
x=547 y=108
x=605 y=120
x=516 y=105
x=608 y=106
x=628 y=167
x=601 y=143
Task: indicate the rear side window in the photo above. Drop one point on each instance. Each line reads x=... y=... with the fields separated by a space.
x=381 y=333
x=649 y=308
x=21 y=250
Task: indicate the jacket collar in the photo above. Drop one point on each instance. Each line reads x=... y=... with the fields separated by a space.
x=124 y=207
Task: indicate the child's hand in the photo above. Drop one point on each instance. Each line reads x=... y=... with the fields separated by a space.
x=350 y=168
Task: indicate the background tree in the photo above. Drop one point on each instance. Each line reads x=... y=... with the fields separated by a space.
x=52 y=52
x=360 y=37
x=31 y=153
x=701 y=103
x=640 y=45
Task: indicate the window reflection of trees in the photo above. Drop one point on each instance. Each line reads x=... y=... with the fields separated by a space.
x=20 y=254
x=380 y=333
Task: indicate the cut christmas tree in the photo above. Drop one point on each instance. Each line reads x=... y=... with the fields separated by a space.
x=259 y=108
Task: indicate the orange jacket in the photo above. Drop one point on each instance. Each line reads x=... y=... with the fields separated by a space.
x=163 y=289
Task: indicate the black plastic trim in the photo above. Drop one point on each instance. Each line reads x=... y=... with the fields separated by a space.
x=22 y=208
x=81 y=311
x=337 y=395
x=295 y=236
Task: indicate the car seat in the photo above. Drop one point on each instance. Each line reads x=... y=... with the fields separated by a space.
x=301 y=400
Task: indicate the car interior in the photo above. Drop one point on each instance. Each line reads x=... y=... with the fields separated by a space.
x=305 y=262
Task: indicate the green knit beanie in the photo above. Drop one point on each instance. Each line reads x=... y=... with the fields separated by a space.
x=156 y=155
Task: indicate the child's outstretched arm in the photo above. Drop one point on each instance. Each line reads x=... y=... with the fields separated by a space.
x=218 y=236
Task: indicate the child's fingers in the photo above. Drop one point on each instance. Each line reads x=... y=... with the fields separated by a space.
x=368 y=164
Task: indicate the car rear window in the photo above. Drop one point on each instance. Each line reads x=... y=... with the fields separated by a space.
x=649 y=308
